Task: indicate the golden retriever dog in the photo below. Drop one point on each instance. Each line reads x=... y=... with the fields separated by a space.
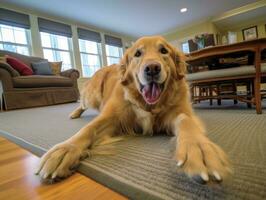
x=146 y=91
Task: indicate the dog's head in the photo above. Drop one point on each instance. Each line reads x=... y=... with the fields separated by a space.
x=150 y=65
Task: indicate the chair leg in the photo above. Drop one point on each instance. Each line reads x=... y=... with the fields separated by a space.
x=257 y=96
x=200 y=93
x=210 y=93
x=248 y=88
x=235 y=92
x=219 y=101
x=191 y=91
x=257 y=81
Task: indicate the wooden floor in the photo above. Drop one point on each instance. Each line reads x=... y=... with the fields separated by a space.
x=17 y=179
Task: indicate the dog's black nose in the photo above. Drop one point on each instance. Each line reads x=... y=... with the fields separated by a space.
x=152 y=69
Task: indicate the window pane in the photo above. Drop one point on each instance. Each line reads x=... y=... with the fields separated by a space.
x=111 y=60
x=91 y=60
x=14 y=39
x=62 y=43
x=112 y=51
x=46 y=42
x=65 y=58
x=54 y=44
x=20 y=36
x=48 y=54
x=89 y=46
x=54 y=41
x=7 y=34
x=82 y=45
x=185 y=47
x=22 y=50
x=53 y=55
x=10 y=47
x=59 y=42
x=90 y=64
x=1 y=46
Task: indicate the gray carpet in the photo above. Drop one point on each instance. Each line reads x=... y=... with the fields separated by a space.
x=143 y=167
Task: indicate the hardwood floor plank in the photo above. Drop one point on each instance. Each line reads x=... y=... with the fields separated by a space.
x=18 y=182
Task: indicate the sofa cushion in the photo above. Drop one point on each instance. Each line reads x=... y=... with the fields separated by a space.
x=36 y=81
x=56 y=67
x=18 y=65
x=41 y=68
x=221 y=73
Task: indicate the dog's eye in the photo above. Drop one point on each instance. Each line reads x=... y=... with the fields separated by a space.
x=138 y=53
x=163 y=50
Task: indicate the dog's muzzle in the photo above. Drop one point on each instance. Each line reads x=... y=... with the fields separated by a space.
x=152 y=71
x=152 y=90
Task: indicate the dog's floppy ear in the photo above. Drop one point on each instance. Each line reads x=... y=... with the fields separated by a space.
x=124 y=63
x=179 y=59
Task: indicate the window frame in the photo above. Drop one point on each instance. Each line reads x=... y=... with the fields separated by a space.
x=184 y=42
x=70 y=51
x=28 y=39
x=120 y=53
x=100 y=55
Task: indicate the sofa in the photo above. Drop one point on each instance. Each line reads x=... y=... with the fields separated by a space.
x=35 y=90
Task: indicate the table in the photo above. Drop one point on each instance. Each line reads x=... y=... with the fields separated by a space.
x=256 y=46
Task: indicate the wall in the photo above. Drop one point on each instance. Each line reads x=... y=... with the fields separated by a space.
x=232 y=17
x=36 y=40
x=238 y=30
x=178 y=36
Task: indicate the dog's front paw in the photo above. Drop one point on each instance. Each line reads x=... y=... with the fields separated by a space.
x=59 y=162
x=202 y=160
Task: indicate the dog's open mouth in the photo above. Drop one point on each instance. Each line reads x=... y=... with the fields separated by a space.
x=151 y=92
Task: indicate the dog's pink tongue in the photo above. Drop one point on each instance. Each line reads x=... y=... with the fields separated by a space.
x=151 y=93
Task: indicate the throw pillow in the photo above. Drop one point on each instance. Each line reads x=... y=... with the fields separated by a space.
x=18 y=65
x=56 y=67
x=41 y=68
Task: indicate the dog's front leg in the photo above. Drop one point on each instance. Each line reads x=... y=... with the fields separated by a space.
x=60 y=161
x=196 y=154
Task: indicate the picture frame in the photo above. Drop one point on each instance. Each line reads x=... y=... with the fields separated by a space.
x=250 y=33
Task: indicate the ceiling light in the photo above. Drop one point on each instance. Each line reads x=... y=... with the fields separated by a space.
x=182 y=10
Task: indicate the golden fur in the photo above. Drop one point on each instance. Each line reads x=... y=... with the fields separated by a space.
x=115 y=91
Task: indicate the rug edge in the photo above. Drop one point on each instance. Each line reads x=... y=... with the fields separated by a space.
x=90 y=172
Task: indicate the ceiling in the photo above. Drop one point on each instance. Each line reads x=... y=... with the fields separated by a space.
x=131 y=17
x=242 y=19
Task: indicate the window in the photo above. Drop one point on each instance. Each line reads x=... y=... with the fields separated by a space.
x=90 y=53
x=185 y=47
x=15 y=39
x=57 y=48
x=113 y=54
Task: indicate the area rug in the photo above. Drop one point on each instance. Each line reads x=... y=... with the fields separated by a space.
x=142 y=167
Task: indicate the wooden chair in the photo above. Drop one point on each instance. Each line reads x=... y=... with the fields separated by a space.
x=249 y=75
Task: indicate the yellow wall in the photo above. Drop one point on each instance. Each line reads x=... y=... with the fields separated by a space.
x=260 y=28
x=183 y=34
x=178 y=36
